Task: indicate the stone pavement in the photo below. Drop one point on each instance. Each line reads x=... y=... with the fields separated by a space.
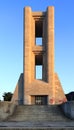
x=37 y=125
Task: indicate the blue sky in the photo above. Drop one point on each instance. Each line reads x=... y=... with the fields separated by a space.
x=11 y=41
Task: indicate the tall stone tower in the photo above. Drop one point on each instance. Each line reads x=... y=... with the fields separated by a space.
x=38 y=50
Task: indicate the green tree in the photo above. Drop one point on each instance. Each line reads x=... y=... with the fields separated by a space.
x=7 y=96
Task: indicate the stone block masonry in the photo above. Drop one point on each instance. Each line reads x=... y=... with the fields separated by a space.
x=29 y=90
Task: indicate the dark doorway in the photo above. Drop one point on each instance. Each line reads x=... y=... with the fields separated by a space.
x=41 y=100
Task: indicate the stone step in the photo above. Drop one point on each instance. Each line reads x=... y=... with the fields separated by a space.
x=38 y=110
x=36 y=125
x=50 y=128
x=38 y=113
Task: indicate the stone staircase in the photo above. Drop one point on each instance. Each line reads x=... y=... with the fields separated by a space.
x=38 y=113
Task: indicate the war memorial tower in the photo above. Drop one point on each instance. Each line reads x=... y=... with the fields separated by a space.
x=29 y=90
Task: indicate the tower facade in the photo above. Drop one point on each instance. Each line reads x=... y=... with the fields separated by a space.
x=39 y=50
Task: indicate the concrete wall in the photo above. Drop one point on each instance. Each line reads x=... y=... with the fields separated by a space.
x=59 y=92
x=6 y=109
x=18 y=96
x=68 y=109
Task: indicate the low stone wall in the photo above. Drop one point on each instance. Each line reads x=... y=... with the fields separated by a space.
x=6 y=109
x=68 y=109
